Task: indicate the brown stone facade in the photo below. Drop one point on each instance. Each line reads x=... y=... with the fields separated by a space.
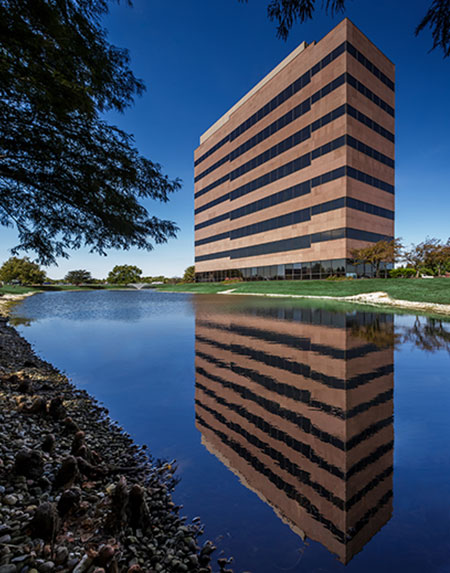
x=300 y=408
x=301 y=170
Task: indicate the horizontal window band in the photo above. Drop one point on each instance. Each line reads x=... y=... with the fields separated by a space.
x=290 y=391
x=278 y=124
x=314 y=126
x=275 y=126
x=292 y=492
x=370 y=151
x=295 y=445
x=274 y=408
x=212 y=221
x=273 y=432
x=281 y=461
x=213 y=149
x=284 y=364
x=295 y=243
x=370 y=123
x=342 y=536
x=294 y=88
x=369 y=94
x=286 y=195
x=296 y=217
x=212 y=203
x=368 y=65
x=295 y=342
x=295 y=191
x=305 y=161
x=212 y=239
x=371 y=458
x=291 y=141
x=369 y=180
x=296 y=418
x=282 y=196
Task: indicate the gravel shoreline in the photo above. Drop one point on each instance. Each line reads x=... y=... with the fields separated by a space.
x=76 y=494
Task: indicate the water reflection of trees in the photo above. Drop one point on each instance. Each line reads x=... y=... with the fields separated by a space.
x=378 y=332
x=428 y=333
x=20 y=321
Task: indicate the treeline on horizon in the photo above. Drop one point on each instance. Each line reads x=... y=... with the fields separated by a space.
x=431 y=257
x=23 y=271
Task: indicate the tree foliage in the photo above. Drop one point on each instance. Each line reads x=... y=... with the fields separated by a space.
x=431 y=255
x=378 y=253
x=287 y=12
x=124 y=274
x=189 y=274
x=78 y=277
x=67 y=177
x=22 y=270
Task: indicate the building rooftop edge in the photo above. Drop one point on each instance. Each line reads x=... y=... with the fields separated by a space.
x=298 y=50
x=225 y=117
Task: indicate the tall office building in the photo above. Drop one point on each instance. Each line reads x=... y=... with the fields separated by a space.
x=301 y=170
x=298 y=403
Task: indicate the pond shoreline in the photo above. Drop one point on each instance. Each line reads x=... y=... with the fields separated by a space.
x=378 y=299
x=76 y=494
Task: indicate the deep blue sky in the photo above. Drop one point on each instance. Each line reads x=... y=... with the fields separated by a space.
x=199 y=57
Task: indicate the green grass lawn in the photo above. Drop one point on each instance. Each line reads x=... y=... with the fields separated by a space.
x=50 y=288
x=419 y=290
x=17 y=289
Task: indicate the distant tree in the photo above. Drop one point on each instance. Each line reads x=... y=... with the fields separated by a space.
x=22 y=270
x=173 y=280
x=414 y=257
x=430 y=254
x=378 y=253
x=286 y=12
x=149 y=279
x=189 y=275
x=67 y=177
x=78 y=277
x=438 y=256
x=124 y=274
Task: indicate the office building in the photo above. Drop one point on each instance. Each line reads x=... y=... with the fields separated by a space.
x=300 y=171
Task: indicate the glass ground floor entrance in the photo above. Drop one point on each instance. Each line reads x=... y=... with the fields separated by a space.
x=296 y=271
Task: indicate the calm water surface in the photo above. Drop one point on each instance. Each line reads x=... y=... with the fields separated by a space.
x=307 y=438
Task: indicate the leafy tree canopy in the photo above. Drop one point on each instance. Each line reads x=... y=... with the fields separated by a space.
x=378 y=253
x=189 y=275
x=68 y=178
x=431 y=255
x=22 y=270
x=286 y=12
x=124 y=274
x=78 y=277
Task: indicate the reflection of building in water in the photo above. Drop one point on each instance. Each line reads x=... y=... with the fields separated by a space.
x=301 y=409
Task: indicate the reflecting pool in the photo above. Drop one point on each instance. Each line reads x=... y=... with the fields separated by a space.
x=308 y=437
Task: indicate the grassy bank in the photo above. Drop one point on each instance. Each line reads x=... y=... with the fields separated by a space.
x=55 y=288
x=417 y=290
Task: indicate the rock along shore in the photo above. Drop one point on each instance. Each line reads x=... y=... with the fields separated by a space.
x=76 y=494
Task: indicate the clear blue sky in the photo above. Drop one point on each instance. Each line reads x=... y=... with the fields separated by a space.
x=199 y=57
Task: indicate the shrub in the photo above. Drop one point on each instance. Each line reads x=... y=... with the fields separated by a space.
x=409 y=272
x=338 y=278
x=231 y=281
x=402 y=273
